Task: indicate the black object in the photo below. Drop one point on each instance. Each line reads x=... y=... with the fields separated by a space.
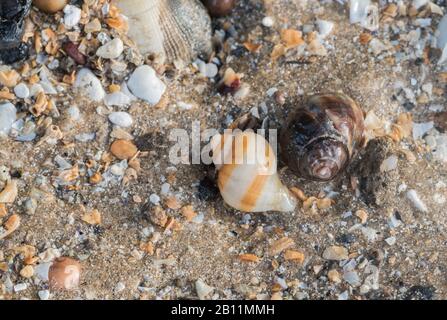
x=12 y=21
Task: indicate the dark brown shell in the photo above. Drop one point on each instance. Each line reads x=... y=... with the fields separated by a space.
x=219 y=8
x=322 y=136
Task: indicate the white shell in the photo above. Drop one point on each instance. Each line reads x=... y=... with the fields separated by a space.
x=247 y=179
x=174 y=29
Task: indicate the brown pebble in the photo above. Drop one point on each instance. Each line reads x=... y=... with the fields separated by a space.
x=73 y=52
x=64 y=274
x=50 y=6
x=123 y=149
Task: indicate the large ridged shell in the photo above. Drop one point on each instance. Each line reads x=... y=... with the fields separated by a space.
x=176 y=29
x=247 y=178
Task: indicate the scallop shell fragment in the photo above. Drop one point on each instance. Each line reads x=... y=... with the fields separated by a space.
x=174 y=29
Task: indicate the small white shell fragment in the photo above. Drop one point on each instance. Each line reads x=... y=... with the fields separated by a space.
x=74 y=113
x=145 y=84
x=20 y=287
x=111 y=50
x=72 y=16
x=268 y=22
x=8 y=115
x=44 y=294
x=118 y=99
x=389 y=164
x=155 y=199
x=122 y=119
x=442 y=39
x=203 y=290
x=358 y=10
x=413 y=196
x=420 y=129
x=89 y=84
x=21 y=91
x=41 y=270
x=391 y=240
x=376 y=46
x=324 y=28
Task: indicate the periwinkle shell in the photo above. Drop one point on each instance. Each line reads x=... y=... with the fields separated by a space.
x=322 y=136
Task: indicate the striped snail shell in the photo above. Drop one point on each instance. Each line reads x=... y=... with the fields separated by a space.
x=322 y=136
x=247 y=176
x=175 y=29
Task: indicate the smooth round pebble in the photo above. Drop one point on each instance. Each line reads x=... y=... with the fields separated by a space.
x=122 y=119
x=268 y=22
x=21 y=91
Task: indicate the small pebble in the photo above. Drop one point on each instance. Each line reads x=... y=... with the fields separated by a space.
x=21 y=91
x=268 y=22
x=119 y=99
x=44 y=294
x=389 y=164
x=122 y=119
x=111 y=50
x=89 y=84
x=145 y=84
x=391 y=240
x=155 y=199
x=20 y=287
x=72 y=16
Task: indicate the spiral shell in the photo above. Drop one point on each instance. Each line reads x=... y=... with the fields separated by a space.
x=247 y=177
x=322 y=136
x=175 y=29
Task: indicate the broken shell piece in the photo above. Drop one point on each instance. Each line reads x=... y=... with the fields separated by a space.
x=64 y=274
x=247 y=178
x=89 y=84
x=442 y=39
x=413 y=196
x=11 y=225
x=9 y=193
x=174 y=29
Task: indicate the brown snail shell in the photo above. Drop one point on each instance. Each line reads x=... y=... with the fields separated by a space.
x=173 y=29
x=219 y=8
x=322 y=136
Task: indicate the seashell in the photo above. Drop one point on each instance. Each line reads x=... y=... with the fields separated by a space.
x=50 y=6
x=9 y=193
x=64 y=274
x=219 y=8
x=11 y=225
x=174 y=29
x=123 y=149
x=322 y=136
x=247 y=177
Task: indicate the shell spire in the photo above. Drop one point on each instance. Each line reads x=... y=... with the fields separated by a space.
x=322 y=136
x=247 y=177
x=175 y=29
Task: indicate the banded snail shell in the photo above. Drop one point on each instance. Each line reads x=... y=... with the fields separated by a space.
x=174 y=29
x=322 y=136
x=247 y=176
